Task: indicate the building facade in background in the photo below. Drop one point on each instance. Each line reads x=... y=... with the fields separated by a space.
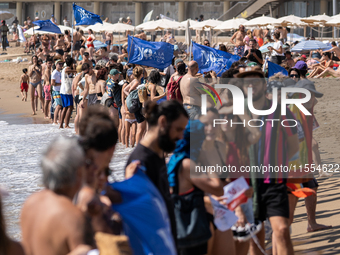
x=176 y=10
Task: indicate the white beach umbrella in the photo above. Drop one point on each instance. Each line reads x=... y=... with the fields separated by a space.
x=191 y=22
x=64 y=28
x=140 y=26
x=160 y=24
x=260 y=21
x=206 y=24
x=291 y=20
x=317 y=18
x=98 y=27
x=231 y=24
x=6 y=15
x=334 y=21
x=120 y=27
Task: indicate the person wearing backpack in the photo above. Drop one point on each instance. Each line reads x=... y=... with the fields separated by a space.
x=191 y=90
x=173 y=90
x=138 y=73
x=114 y=101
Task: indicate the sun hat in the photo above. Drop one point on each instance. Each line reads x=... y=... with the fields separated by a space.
x=58 y=61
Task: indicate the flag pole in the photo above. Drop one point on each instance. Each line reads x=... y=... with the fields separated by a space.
x=72 y=31
x=190 y=46
x=34 y=39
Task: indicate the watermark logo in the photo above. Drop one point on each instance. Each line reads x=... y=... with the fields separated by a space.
x=238 y=100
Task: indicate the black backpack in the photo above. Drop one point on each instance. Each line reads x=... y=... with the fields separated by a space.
x=117 y=94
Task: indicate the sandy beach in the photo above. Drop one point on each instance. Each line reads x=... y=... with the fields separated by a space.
x=14 y=111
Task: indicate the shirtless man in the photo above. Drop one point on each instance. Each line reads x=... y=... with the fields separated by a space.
x=68 y=41
x=86 y=59
x=45 y=41
x=99 y=148
x=335 y=51
x=108 y=39
x=239 y=44
x=50 y=223
x=47 y=72
x=76 y=43
x=24 y=84
x=90 y=87
x=101 y=54
x=60 y=45
x=289 y=61
x=190 y=90
x=34 y=73
x=141 y=35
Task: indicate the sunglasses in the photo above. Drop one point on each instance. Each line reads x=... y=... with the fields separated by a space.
x=207 y=44
x=294 y=75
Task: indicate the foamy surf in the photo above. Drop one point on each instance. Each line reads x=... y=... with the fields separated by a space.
x=21 y=147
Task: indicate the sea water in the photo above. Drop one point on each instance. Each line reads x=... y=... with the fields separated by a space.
x=21 y=147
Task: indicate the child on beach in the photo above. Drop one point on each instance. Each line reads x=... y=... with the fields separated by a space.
x=24 y=84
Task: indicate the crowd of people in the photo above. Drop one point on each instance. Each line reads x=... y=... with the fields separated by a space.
x=160 y=113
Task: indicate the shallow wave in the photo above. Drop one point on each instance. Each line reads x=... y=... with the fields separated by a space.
x=21 y=147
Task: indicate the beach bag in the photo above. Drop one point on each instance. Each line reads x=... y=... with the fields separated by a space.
x=191 y=219
x=117 y=94
x=173 y=90
x=104 y=98
x=68 y=84
x=132 y=102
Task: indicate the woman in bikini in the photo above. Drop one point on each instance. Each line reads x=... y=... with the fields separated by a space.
x=82 y=44
x=89 y=43
x=138 y=73
x=101 y=83
x=155 y=92
x=325 y=63
x=35 y=73
x=82 y=108
x=130 y=123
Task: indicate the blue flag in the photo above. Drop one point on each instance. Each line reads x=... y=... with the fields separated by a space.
x=84 y=17
x=145 y=217
x=155 y=54
x=274 y=68
x=47 y=26
x=210 y=59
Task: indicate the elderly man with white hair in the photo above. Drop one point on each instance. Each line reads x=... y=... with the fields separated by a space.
x=50 y=223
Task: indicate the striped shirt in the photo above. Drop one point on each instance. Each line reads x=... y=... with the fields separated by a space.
x=271 y=150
